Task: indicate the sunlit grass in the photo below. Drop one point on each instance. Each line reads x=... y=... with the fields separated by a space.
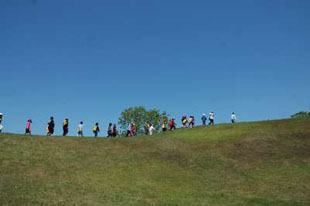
x=259 y=163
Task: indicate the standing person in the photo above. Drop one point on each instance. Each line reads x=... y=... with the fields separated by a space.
x=132 y=130
x=80 y=130
x=151 y=129
x=96 y=129
x=114 y=132
x=164 y=126
x=65 y=127
x=233 y=117
x=1 y=117
x=146 y=128
x=184 y=121
x=191 y=121
x=128 y=130
x=1 y=126
x=172 y=125
x=211 y=118
x=28 y=127
x=204 y=119
x=51 y=126
x=109 y=130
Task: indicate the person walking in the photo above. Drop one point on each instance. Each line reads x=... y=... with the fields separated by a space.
x=114 y=132
x=151 y=129
x=132 y=130
x=109 y=130
x=65 y=127
x=211 y=118
x=233 y=117
x=184 y=121
x=1 y=117
x=96 y=129
x=1 y=126
x=28 y=127
x=146 y=128
x=128 y=130
x=204 y=119
x=191 y=121
x=51 y=126
x=80 y=129
x=172 y=125
x=164 y=126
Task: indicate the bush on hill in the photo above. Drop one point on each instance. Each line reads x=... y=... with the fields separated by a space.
x=302 y=114
x=140 y=116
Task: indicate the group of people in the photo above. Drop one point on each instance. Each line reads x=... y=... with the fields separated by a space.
x=165 y=125
x=112 y=131
x=131 y=130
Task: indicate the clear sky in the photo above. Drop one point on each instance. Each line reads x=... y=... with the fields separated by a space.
x=89 y=60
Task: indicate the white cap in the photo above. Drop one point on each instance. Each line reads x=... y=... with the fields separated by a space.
x=1 y=113
x=203 y=114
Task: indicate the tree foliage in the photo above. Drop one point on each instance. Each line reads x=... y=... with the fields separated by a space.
x=140 y=116
x=301 y=114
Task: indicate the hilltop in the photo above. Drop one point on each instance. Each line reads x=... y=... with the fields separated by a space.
x=257 y=163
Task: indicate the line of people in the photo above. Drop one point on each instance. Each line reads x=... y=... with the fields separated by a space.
x=50 y=128
x=131 y=130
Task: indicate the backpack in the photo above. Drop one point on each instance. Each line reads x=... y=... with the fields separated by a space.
x=95 y=128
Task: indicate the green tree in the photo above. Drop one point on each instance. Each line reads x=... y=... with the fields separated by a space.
x=140 y=116
x=301 y=114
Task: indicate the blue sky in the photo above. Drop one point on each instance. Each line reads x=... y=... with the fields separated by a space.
x=89 y=60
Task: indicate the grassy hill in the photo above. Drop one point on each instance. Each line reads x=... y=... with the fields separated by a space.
x=259 y=163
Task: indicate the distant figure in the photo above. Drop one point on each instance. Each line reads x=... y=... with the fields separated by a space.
x=65 y=127
x=51 y=126
x=211 y=118
x=146 y=128
x=1 y=117
x=172 y=125
x=164 y=126
x=80 y=130
x=132 y=130
x=233 y=118
x=1 y=126
x=184 y=121
x=191 y=121
x=110 y=130
x=96 y=129
x=114 y=132
x=128 y=130
x=28 y=127
x=151 y=129
x=204 y=119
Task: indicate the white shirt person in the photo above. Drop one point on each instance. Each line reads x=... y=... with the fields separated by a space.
x=151 y=130
x=80 y=130
x=233 y=117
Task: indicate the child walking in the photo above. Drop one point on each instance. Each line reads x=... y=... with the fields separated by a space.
x=96 y=129
x=80 y=130
x=51 y=126
x=28 y=127
x=65 y=127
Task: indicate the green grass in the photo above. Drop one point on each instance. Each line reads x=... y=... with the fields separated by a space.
x=258 y=163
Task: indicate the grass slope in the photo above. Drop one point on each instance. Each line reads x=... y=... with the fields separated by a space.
x=260 y=163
